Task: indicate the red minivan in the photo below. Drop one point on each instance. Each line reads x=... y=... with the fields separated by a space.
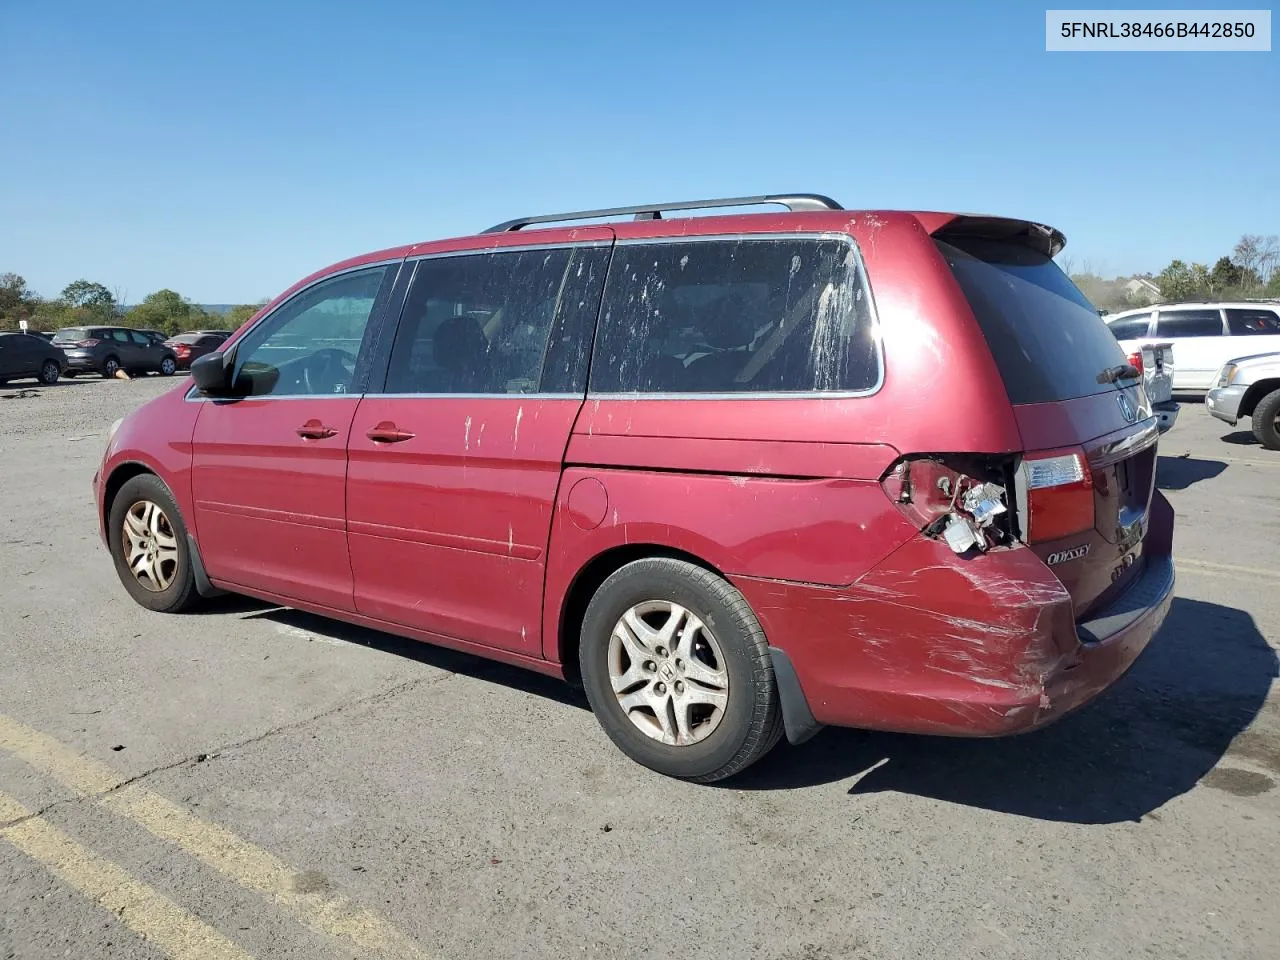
x=738 y=475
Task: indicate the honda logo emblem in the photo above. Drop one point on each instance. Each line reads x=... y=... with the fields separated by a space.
x=1127 y=408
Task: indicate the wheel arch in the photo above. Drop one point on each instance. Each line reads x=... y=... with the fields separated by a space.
x=121 y=474
x=1255 y=393
x=587 y=581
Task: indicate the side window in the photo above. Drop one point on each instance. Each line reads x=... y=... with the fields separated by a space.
x=1189 y=323
x=1130 y=328
x=1250 y=322
x=489 y=323
x=736 y=316
x=120 y=336
x=139 y=339
x=310 y=344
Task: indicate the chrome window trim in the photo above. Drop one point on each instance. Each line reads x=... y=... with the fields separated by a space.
x=813 y=235
x=193 y=396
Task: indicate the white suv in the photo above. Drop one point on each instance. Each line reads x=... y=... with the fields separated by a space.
x=1204 y=335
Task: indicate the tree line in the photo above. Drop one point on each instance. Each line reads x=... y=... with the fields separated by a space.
x=1250 y=272
x=86 y=302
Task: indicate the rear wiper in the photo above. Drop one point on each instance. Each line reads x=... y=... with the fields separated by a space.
x=1124 y=371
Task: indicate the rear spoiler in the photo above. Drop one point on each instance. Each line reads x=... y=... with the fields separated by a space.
x=1036 y=236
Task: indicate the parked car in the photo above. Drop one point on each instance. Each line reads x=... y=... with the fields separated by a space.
x=737 y=475
x=1204 y=335
x=155 y=336
x=1155 y=362
x=1250 y=387
x=106 y=350
x=191 y=346
x=24 y=355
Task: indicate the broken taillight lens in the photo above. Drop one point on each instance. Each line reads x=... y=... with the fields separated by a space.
x=950 y=500
x=1059 y=494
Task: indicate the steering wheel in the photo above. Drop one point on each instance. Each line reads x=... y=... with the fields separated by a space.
x=326 y=369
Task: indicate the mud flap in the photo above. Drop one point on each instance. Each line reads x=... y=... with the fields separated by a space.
x=797 y=718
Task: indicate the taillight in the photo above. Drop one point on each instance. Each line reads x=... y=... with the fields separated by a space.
x=91 y=342
x=1059 y=494
x=1135 y=360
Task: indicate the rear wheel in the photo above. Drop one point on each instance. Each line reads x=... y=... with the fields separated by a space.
x=168 y=366
x=110 y=367
x=49 y=372
x=677 y=670
x=1266 y=420
x=149 y=546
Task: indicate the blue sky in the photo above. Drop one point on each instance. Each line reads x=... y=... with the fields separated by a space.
x=226 y=149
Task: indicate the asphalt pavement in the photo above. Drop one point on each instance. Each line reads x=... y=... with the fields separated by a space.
x=253 y=782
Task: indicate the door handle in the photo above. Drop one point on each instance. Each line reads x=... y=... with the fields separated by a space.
x=388 y=432
x=315 y=430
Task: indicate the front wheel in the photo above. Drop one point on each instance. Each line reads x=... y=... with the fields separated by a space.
x=1266 y=420
x=49 y=373
x=677 y=670
x=149 y=546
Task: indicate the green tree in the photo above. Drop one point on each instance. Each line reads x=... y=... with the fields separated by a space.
x=1178 y=281
x=1225 y=275
x=165 y=310
x=238 y=315
x=17 y=301
x=91 y=302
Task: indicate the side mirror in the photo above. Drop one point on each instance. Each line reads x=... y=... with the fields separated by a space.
x=212 y=374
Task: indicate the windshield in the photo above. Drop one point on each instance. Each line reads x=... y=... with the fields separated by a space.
x=71 y=335
x=1046 y=338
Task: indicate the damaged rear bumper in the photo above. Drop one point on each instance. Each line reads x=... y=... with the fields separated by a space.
x=930 y=642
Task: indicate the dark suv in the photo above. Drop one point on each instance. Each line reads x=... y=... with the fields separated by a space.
x=107 y=350
x=737 y=475
x=28 y=355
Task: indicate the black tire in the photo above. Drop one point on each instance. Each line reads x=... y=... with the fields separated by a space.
x=1266 y=420
x=49 y=372
x=180 y=593
x=168 y=367
x=110 y=367
x=751 y=722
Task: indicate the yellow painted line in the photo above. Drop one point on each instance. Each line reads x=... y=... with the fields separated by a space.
x=1225 y=568
x=242 y=862
x=142 y=909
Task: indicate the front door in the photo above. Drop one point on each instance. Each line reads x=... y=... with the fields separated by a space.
x=269 y=468
x=455 y=461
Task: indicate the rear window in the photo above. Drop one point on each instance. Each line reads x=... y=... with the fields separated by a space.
x=1243 y=323
x=71 y=335
x=717 y=316
x=186 y=338
x=1047 y=340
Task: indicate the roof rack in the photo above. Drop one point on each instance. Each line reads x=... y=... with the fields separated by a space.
x=653 y=211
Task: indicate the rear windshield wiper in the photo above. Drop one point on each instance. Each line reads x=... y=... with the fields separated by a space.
x=1123 y=371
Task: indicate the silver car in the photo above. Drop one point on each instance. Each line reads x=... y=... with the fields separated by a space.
x=1250 y=387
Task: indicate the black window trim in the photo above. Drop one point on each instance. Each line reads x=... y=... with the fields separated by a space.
x=393 y=325
x=193 y=394
x=757 y=395
x=1158 y=312
x=1151 y=319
